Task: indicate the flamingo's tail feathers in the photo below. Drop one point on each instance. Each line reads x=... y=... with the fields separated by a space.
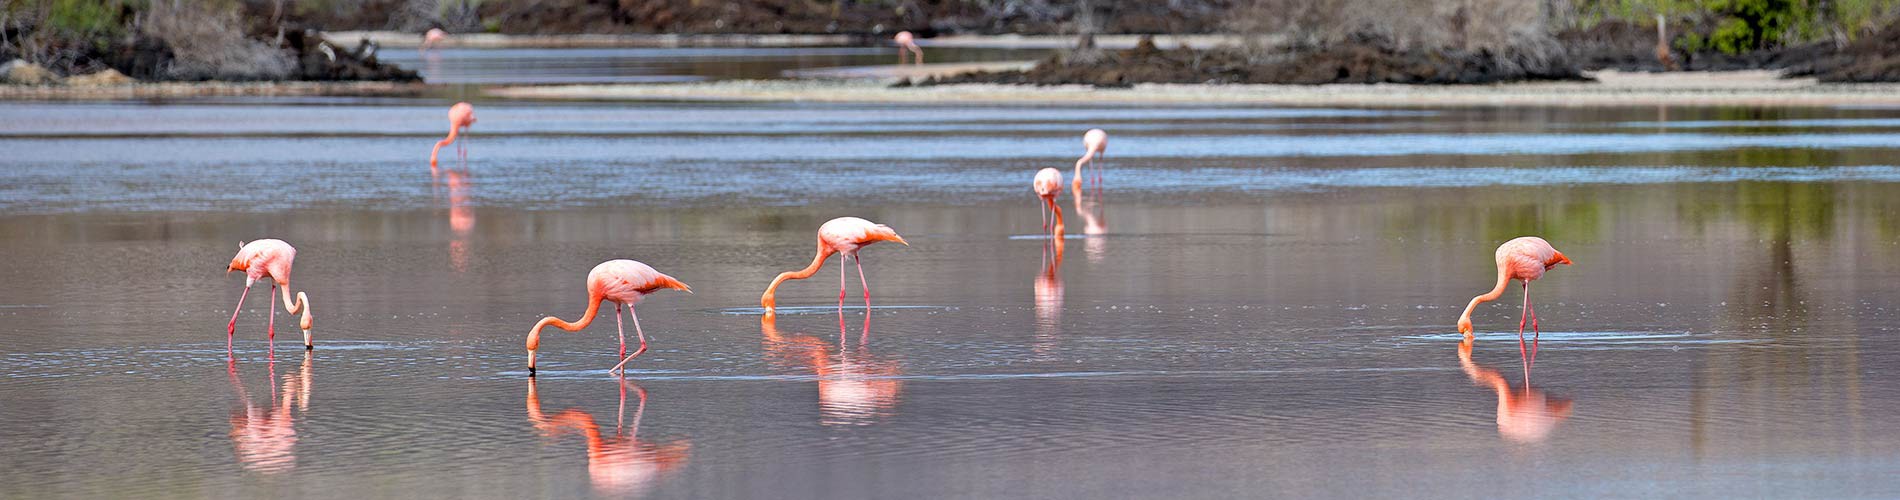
x=669 y=282
x=885 y=233
x=1559 y=258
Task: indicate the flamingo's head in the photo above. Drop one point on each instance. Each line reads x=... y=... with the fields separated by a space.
x=768 y=302
x=1464 y=326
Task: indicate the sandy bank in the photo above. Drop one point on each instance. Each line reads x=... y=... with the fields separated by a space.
x=176 y=90
x=397 y=39
x=1740 y=88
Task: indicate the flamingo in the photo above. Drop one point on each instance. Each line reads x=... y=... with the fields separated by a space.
x=907 y=42
x=1662 y=45
x=843 y=235
x=461 y=115
x=1094 y=146
x=1524 y=259
x=622 y=281
x=434 y=37
x=621 y=463
x=1047 y=185
x=270 y=258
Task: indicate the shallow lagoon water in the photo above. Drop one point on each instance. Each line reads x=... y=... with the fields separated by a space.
x=1265 y=309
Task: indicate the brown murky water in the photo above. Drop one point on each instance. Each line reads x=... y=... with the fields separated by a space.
x=1266 y=311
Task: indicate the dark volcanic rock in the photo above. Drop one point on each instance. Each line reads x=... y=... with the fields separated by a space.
x=1873 y=58
x=316 y=63
x=1361 y=60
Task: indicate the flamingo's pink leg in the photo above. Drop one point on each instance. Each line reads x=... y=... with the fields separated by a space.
x=231 y=329
x=1534 y=330
x=620 y=330
x=636 y=331
x=271 y=331
x=864 y=284
x=1044 y=211
x=1523 y=315
x=841 y=270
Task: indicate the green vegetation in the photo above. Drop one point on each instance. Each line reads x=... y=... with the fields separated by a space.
x=1737 y=26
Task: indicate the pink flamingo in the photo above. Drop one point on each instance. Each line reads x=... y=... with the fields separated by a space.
x=1048 y=184
x=907 y=42
x=622 y=281
x=434 y=37
x=270 y=258
x=1094 y=146
x=1523 y=259
x=843 y=235
x=461 y=115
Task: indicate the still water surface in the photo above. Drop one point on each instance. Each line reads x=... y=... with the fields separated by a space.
x=1263 y=306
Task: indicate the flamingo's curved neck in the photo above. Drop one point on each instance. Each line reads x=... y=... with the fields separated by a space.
x=453 y=128
x=1498 y=291
x=587 y=318
x=1058 y=211
x=818 y=261
x=301 y=305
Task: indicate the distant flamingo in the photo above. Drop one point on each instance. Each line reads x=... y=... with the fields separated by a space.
x=461 y=115
x=1094 y=146
x=622 y=281
x=270 y=258
x=1523 y=259
x=907 y=42
x=1527 y=416
x=1662 y=45
x=843 y=235
x=434 y=37
x=621 y=463
x=1047 y=185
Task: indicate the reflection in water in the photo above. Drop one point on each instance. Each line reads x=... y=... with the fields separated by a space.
x=1048 y=287
x=265 y=437
x=856 y=388
x=1525 y=416
x=1094 y=222
x=461 y=217
x=621 y=463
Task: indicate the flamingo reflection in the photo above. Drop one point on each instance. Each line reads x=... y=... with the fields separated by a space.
x=621 y=463
x=461 y=217
x=1048 y=286
x=1094 y=222
x=1525 y=416
x=265 y=437
x=856 y=388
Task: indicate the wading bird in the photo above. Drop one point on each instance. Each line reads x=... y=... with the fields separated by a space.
x=434 y=37
x=1094 y=146
x=268 y=258
x=843 y=235
x=1047 y=185
x=622 y=281
x=1523 y=259
x=461 y=115
x=1662 y=46
x=907 y=42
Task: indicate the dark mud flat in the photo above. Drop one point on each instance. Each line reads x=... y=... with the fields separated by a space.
x=1264 y=305
x=1361 y=60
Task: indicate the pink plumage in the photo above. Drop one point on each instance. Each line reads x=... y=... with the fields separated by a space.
x=1094 y=145
x=461 y=116
x=846 y=235
x=268 y=258
x=1523 y=260
x=265 y=258
x=621 y=281
x=1048 y=182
